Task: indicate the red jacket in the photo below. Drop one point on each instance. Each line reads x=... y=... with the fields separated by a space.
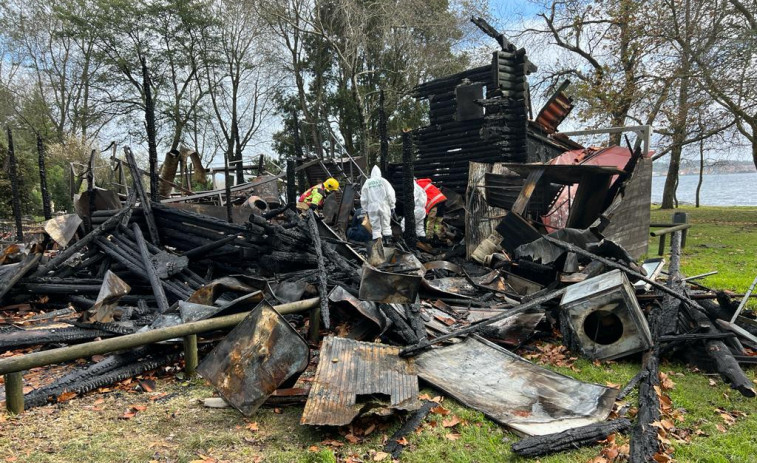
x=434 y=196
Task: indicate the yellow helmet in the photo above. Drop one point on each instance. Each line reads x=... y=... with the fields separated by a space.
x=331 y=184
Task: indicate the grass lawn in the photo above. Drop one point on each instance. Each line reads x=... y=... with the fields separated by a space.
x=715 y=423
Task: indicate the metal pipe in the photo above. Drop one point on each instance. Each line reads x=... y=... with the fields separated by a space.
x=64 y=354
x=669 y=230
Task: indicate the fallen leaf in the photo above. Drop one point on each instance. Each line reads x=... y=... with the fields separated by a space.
x=369 y=430
x=66 y=396
x=402 y=441
x=352 y=439
x=450 y=422
x=253 y=426
x=313 y=448
x=720 y=427
x=380 y=456
x=139 y=408
x=439 y=410
x=98 y=401
x=277 y=411
x=332 y=443
x=712 y=382
x=452 y=436
x=661 y=458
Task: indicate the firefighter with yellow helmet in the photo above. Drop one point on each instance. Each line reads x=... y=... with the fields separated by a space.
x=316 y=194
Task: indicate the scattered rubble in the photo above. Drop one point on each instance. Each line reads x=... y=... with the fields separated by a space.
x=527 y=251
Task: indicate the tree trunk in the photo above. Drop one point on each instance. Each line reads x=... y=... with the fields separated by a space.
x=701 y=172
x=754 y=142
x=679 y=136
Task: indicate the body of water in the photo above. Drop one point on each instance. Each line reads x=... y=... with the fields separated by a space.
x=717 y=189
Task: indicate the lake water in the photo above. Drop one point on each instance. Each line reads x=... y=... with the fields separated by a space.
x=717 y=189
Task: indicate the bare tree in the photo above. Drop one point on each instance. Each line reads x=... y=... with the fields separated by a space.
x=241 y=78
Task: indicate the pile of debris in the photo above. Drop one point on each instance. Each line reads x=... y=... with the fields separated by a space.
x=533 y=251
x=384 y=317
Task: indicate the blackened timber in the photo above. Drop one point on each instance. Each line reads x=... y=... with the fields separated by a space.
x=393 y=445
x=143 y=199
x=46 y=209
x=20 y=338
x=408 y=189
x=56 y=262
x=322 y=289
x=414 y=350
x=157 y=287
x=30 y=262
x=383 y=137
x=152 y=144
x=291 y=185
x=121 y=373
x=15 y=198
x=536 y=446
x=205 y=249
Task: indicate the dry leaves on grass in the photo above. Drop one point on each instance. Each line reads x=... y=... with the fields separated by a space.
x=132 y=411
x=555 y=355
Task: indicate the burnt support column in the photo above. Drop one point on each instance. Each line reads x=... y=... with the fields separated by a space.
x=16 y=199
x=408 y=199
x=383 y=138
x=152 y=143
x=46 y=209
x=291 y=185
x=227 y=183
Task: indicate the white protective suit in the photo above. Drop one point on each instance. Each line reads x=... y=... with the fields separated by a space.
x=420 y=210
x=377 y=199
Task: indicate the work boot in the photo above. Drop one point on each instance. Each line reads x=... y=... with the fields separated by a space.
x=388 y=240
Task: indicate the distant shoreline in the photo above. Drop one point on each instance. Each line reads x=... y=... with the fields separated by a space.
x=705 y=174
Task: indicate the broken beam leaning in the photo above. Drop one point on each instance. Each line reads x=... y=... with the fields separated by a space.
x=13 y=367
x=418 y=348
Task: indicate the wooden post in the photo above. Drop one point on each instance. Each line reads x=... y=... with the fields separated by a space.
x=16 y=199
x=227 y=188
x=47 y=210
x=408 y=190
x=383 y=138
x=291 y=185
x=661 y=248
x=152 y=143
x=90 y=190
x=681 y=217
x=190 y=354
x=14 y=392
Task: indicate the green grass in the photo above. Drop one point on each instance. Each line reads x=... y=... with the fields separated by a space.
x=182 y=430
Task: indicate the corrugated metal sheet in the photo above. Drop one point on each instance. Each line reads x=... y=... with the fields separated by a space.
x=556 y=110
x=352 y=376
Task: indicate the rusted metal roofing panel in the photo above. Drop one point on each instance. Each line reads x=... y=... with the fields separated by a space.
x=512 y=391
x=556 y=110
x=353 y=376
x=255 y=358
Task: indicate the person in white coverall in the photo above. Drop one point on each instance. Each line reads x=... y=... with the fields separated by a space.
x=378 y=200
x=420 y=210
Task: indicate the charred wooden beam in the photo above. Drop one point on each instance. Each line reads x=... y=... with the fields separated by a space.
x=21 y=338
x=393 y=445
x=157 y=287
x=408 y=190
x=46 y=209
x=15 y=198
x=143 y=199
x=322 y=289
x=536 y=446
